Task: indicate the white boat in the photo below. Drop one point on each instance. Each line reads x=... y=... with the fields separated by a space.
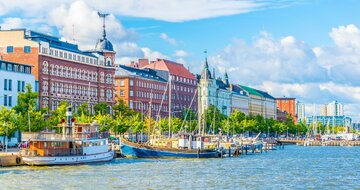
x=77 y=144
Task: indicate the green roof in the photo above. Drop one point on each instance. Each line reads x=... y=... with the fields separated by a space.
x=257 y=92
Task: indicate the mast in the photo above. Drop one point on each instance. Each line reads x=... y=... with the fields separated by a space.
x=150 y=105
x=170 y=89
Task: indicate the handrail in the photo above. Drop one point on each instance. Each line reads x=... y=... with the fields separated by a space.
x=58 y=137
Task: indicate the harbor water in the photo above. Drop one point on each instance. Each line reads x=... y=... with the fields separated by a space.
x=295 y=167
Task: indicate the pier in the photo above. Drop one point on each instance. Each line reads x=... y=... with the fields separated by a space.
x=305 y=142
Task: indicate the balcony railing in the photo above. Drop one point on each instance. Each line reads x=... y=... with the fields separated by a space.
x=59 y=137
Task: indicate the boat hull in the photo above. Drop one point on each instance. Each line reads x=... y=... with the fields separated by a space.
x=142 y=152
x=68 y=160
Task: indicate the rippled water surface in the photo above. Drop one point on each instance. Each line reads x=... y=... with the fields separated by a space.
x=292 y=168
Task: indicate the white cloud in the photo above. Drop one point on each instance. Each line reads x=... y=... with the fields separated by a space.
x=172 y=11
x=181 y=53
x=11 y=23
x=153 y=55
x=166 y=38
x=289 y=67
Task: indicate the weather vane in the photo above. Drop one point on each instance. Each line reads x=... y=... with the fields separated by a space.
x=103 y=16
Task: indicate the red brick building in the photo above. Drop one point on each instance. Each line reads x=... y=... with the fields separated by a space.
x=183 y=83
x=62 y=71
x=287 y=106
x=143 y=89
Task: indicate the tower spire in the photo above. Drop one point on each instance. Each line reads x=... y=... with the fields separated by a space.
x=103 y=16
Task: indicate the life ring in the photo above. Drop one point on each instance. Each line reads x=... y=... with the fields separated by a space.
x=18 y=160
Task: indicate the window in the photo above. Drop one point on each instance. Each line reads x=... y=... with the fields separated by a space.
x=23 y=86
x=131 y=83
x=122 y=83
x=122 y=93
x=10 y=49
x=131 y=104
x=27 y=49
x=131 y=93
x=10 y=101
x=5 y=84
x=10 y=84
x=5 y=100
x=18 y=85
x=9 y=67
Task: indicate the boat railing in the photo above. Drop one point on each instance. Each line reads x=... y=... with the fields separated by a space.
x=59 y=137
x=51 y=152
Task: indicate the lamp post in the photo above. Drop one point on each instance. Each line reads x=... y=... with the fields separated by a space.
x=6 y=138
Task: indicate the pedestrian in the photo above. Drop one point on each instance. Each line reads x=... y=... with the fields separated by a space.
x=1 y=146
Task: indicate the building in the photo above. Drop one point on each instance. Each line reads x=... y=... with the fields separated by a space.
x=332 y=109
x=13 y=79
x=62 y=70
x=287 y=105
x=183 y=84
x=212 y=91
x=300 y=111
x=239 y=99
x=143 y=89
x=330 y=120
x=261 y=103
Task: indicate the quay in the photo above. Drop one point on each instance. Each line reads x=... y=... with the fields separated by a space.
x=304 y=142
x=10 y=159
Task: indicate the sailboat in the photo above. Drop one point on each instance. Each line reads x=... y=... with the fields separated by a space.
x=185 y=146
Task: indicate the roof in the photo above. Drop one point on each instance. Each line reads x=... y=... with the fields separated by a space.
x=55 y=42
x=256 y=92
x=220 y=84
x=235 y=89
x=143 y=73
x=173 y=68
x=285 y=98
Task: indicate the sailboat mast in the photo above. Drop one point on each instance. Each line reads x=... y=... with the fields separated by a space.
x=170 y=88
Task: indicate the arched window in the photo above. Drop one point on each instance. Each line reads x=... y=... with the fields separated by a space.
x=45 y=67
x=56 y=70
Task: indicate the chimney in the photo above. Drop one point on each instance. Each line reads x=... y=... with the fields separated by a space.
x=132 y=64
x=143 y=62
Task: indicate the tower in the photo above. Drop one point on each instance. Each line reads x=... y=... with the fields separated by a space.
x=104 y=46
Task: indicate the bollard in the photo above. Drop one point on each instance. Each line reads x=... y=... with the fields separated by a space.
x=229 y=152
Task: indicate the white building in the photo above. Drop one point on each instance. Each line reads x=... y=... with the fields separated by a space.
x=13 y=79
x=300 y=111
x=239 y=99
x=213 y=91
x=332 y=109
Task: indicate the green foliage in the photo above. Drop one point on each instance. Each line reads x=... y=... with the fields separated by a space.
x=213 y=119
x=100 y=108
x=58 y=114
x=83 y=109
x=8 y=120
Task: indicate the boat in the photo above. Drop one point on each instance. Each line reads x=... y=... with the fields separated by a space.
x=143 y=150
x=76 y=144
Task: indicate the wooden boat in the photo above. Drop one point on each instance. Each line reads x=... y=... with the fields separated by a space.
x=131 y=149
x=77 y=144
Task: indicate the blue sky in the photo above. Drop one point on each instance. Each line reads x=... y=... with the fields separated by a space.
x=305 y=49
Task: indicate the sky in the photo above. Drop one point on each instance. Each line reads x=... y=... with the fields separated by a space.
x=307 y=49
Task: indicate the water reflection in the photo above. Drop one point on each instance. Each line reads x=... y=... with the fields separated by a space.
x=292 y=168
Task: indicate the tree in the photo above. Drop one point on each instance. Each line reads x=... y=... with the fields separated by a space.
x=121 y=108
x=83 y=109
x=213 y=119
x=58 y=114
x=236 y=118
x=26 y=100
x=100 y=108
x=8 y=120
x=105 y=122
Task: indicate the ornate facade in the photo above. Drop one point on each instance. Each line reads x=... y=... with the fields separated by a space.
x=63 y=72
